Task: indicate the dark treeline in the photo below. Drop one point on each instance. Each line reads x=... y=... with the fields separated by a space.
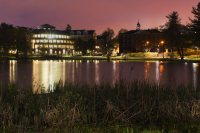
x=17 y=40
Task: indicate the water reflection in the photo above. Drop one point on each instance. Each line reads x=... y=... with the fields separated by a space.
x=12 y=70
x=46 y=73
x=195 y=67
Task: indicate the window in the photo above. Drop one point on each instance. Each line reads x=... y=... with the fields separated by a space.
x=78 y=33
x=42 y=35
x=85 y=33
x=72 y=32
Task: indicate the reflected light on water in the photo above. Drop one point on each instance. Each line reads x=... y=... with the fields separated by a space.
x=97 y=72
x=47 y=74
x=195 y=66
x=157 y=71
x=146 y=68
x=12 y=71
x=115 y=72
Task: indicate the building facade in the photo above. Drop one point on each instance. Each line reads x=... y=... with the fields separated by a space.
x=47 y=40
x=141 y=41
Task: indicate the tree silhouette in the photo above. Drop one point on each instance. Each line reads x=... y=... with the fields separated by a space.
x=7 y=37
x=173 y=33
x=195 y=24
x=22 y=41
x=107 y=41
x=69 y=27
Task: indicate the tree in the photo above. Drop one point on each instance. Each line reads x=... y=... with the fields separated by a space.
x=195 y=24
x=69 y=27
x=22 y=42
x=173 y=33
x=91 y=43
x=85 y=45
x=107 y=41
x=80 y=45
x=7 y=37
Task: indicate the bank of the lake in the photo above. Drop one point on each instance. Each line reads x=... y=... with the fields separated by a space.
x=111 y=58
x=135 y=107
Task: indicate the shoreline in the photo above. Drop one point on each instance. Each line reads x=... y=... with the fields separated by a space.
x=101 y=58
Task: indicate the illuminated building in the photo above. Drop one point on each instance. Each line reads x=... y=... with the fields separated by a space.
x=47 y=40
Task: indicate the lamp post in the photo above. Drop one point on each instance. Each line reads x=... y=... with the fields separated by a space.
x=146 y=46
x=162 y=44
x=197 y=51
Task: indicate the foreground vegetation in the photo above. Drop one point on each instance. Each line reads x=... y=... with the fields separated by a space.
x=135 y=107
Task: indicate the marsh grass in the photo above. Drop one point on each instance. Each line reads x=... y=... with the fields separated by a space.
x=134 y=107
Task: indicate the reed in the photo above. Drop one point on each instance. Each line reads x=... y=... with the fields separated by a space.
x=133 y=107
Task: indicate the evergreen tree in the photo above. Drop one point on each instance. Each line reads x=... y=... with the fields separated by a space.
x=195 y=24
x=22 y=41
x=7 y=37
x=173 y=33
x=69 y=27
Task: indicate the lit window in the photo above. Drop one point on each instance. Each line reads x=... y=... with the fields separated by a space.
x=51 y=51
x=49 y=36
x=50 y=41
x=54 y=41
x=33 y=41
x=39 y=35
x=42 y=35
x=58 y=41
x=59 y=36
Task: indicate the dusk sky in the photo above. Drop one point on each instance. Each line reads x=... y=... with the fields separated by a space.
x=93 y=14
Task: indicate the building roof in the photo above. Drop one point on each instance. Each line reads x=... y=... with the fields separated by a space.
x=141 y=31
x=82 y=32
x=47 y=26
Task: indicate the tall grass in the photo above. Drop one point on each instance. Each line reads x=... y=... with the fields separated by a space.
x=134 y=107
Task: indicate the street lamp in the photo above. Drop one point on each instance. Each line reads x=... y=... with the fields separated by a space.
x=146 y=45
x=197 y=51
x=162 y=44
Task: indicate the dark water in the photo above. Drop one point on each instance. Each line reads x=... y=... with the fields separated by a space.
x=46 y=73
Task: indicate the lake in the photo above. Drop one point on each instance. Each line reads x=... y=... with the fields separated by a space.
x=45 y=73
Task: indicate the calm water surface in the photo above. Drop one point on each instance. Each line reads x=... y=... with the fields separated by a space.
x=46 y=73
